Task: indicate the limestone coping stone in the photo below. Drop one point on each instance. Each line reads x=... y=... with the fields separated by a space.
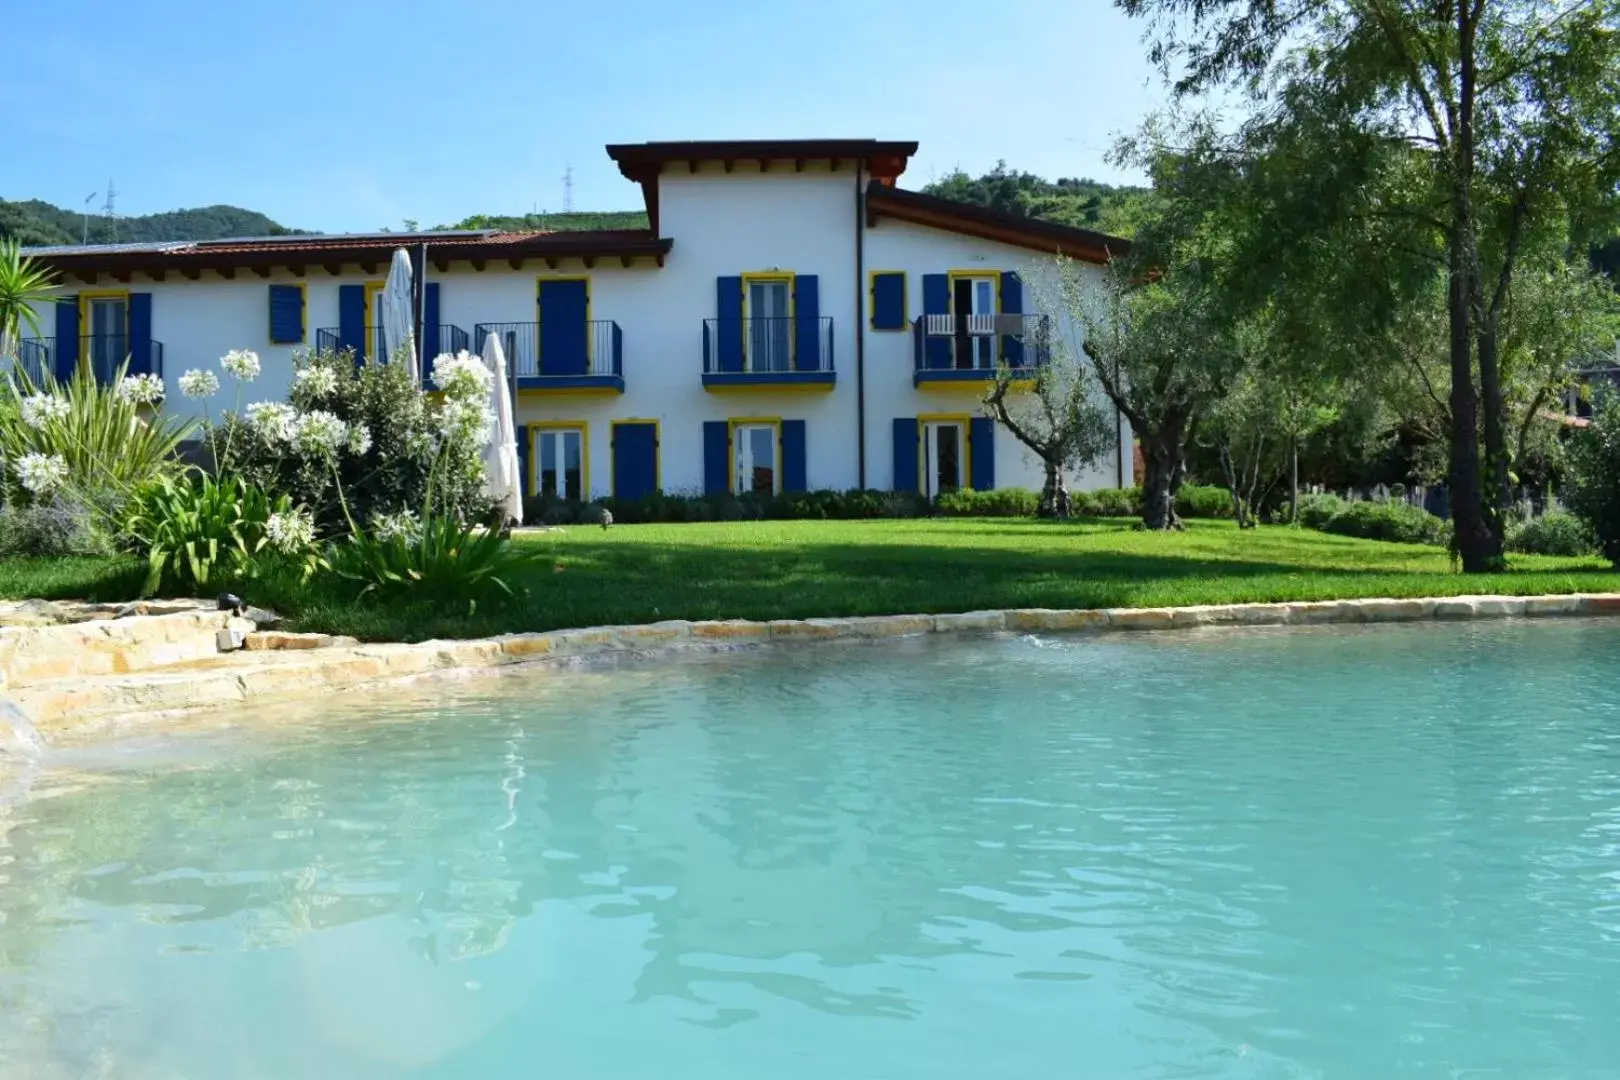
x=305 y=665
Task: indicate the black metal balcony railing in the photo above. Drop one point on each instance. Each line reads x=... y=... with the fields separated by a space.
x=103 y=354
x=596 y=352
x=373 y=343
x=980 y=343
x=766 y=346
x=34 y=357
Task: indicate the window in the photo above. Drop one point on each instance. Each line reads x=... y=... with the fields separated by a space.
x=559 y=462
x=754 y=467
x=944 y=456
x=375 y=348
x=973 y=303
x=770 y=323
x=106 y=332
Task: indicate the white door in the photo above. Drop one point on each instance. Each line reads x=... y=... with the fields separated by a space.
x=754 y=459
x=108 y=335
x=770 y=330
x=944 y=448
x=376 y=347
x=560 y=471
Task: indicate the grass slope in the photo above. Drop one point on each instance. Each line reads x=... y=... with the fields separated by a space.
x=797 y=569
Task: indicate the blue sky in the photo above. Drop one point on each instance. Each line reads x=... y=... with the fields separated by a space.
x=304 y=109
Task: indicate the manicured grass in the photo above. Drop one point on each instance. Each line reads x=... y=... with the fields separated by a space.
x=797 y=569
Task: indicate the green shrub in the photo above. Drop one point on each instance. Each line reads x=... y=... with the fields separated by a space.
x=1555 y=533
x=1116 y=502
x=1315 y=511
x=1395 y=522
x=1592 y=475
x=54 y=527
x=1002 y=502
x=665 y=508
x=1203 y=501
x=197 y=530
x=399 y=558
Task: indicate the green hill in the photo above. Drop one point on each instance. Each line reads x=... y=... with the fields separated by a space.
x=1086 y=204
x=578 y=221
x=37 y=222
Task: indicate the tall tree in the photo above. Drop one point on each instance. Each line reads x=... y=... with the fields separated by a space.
x=1506 y=116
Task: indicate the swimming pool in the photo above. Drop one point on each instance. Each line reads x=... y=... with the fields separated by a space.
x=1357 y=852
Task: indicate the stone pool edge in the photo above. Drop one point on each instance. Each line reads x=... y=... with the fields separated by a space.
x=270 y=678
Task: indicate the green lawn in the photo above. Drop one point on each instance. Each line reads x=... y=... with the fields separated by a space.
x=794 y=569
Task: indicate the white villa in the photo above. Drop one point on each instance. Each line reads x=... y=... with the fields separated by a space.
x=792 y=320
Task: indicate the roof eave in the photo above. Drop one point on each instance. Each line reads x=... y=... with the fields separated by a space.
x=1044 y=236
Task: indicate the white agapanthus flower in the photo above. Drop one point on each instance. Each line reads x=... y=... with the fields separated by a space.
x=39 y=409
x=41 y=473
x=141 y=389
x=290 y=532
x=198 y=384
x=466 y=421
x=359 y=439
x=317 y=380
x=404 y=526
x=273 y=420
x=319 y=433
x=242 y=363
x=462 y=377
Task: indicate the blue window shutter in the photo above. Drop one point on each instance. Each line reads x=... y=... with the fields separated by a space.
x=906 y=435
x=352 y=320
x=428 y=347
x=889 y=300
x=67 y=337
x=1012 y=303
x=807 y=322
x=286 y=315
x=716 y=457
x=563 y=333
x=525 y=483
x=982 y=453
x=140 y=333
x=936 y=301
x=793 y=463
x=635 y=459
x=728 y=322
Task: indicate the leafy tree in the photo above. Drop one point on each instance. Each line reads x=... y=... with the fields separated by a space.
x=1505 y=115
x=1056 y=413
x=1087 y=204
x=1591 y=491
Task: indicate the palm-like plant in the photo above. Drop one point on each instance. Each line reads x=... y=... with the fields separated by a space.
x=23 y=284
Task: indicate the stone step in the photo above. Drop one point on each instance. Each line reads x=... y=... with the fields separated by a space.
x=32 y=655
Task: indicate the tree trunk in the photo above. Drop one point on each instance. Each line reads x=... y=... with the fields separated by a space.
x=1234 y=487
x=1497 y=486
x=1055 y=494
x=1293 y=479
x=1164 y=466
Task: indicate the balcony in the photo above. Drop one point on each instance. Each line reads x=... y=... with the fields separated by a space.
x=451 y=339
x=768 y=354
x=968 y=349
x=561 y=356
x=103 y=354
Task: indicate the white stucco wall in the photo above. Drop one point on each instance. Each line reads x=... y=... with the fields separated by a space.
x=722 y=224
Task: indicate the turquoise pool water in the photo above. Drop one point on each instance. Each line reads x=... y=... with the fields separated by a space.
x=1305 y=853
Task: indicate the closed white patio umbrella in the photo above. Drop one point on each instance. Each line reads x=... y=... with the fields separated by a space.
x=502 y=482
x=398 y=319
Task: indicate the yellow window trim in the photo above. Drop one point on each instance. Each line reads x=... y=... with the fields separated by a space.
x=539 y=316
x=531 y=482
x=658 y=453
x=735 y=422
x=104 y=294
x=953 y=276
x=966 y=420
x=789 y=278
x=871 y=302
x=303 y=314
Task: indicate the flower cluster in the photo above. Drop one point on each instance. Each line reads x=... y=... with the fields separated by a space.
x=39 y=409
x=41 y=473
x=462 y=377
x=242 y=363
x=141 y=389
x=198 y=384
x=290 y=532
x=319 y=433
x=273 y=420
x=404 y=526
x=359 y=440
x=466 y=421
x=316 y=380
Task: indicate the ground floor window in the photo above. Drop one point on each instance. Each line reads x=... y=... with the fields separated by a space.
x=944 y=464
x=559 y=462
x=754 y=458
